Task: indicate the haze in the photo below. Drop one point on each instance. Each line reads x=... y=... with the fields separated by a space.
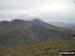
x=51 y=10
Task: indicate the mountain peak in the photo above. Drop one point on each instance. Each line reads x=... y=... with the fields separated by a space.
x=40 y=22
x=17 y=20
x=4 y=22
x=37 y=20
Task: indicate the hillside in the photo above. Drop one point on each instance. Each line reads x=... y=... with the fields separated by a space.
x=21 y=32
x=49 y=48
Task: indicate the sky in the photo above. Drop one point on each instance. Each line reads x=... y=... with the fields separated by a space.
x=47 y=10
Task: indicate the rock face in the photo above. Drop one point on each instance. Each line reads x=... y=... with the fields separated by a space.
x=20 y=32
x=74 y=36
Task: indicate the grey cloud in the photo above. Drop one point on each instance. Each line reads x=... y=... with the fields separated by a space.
x=57 y=9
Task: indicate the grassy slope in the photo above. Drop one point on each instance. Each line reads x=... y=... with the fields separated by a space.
x=28 y=34
x=49 y=48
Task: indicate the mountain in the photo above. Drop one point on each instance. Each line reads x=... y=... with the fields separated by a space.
x=3 y=24
x=49 y=48
x=64 y=25
x=22 y=32
x=39 y=22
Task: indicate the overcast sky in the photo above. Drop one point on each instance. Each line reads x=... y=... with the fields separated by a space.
x=57 y=10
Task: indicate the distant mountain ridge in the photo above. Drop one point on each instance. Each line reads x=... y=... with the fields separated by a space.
x=22 y=32
x=64 y=25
